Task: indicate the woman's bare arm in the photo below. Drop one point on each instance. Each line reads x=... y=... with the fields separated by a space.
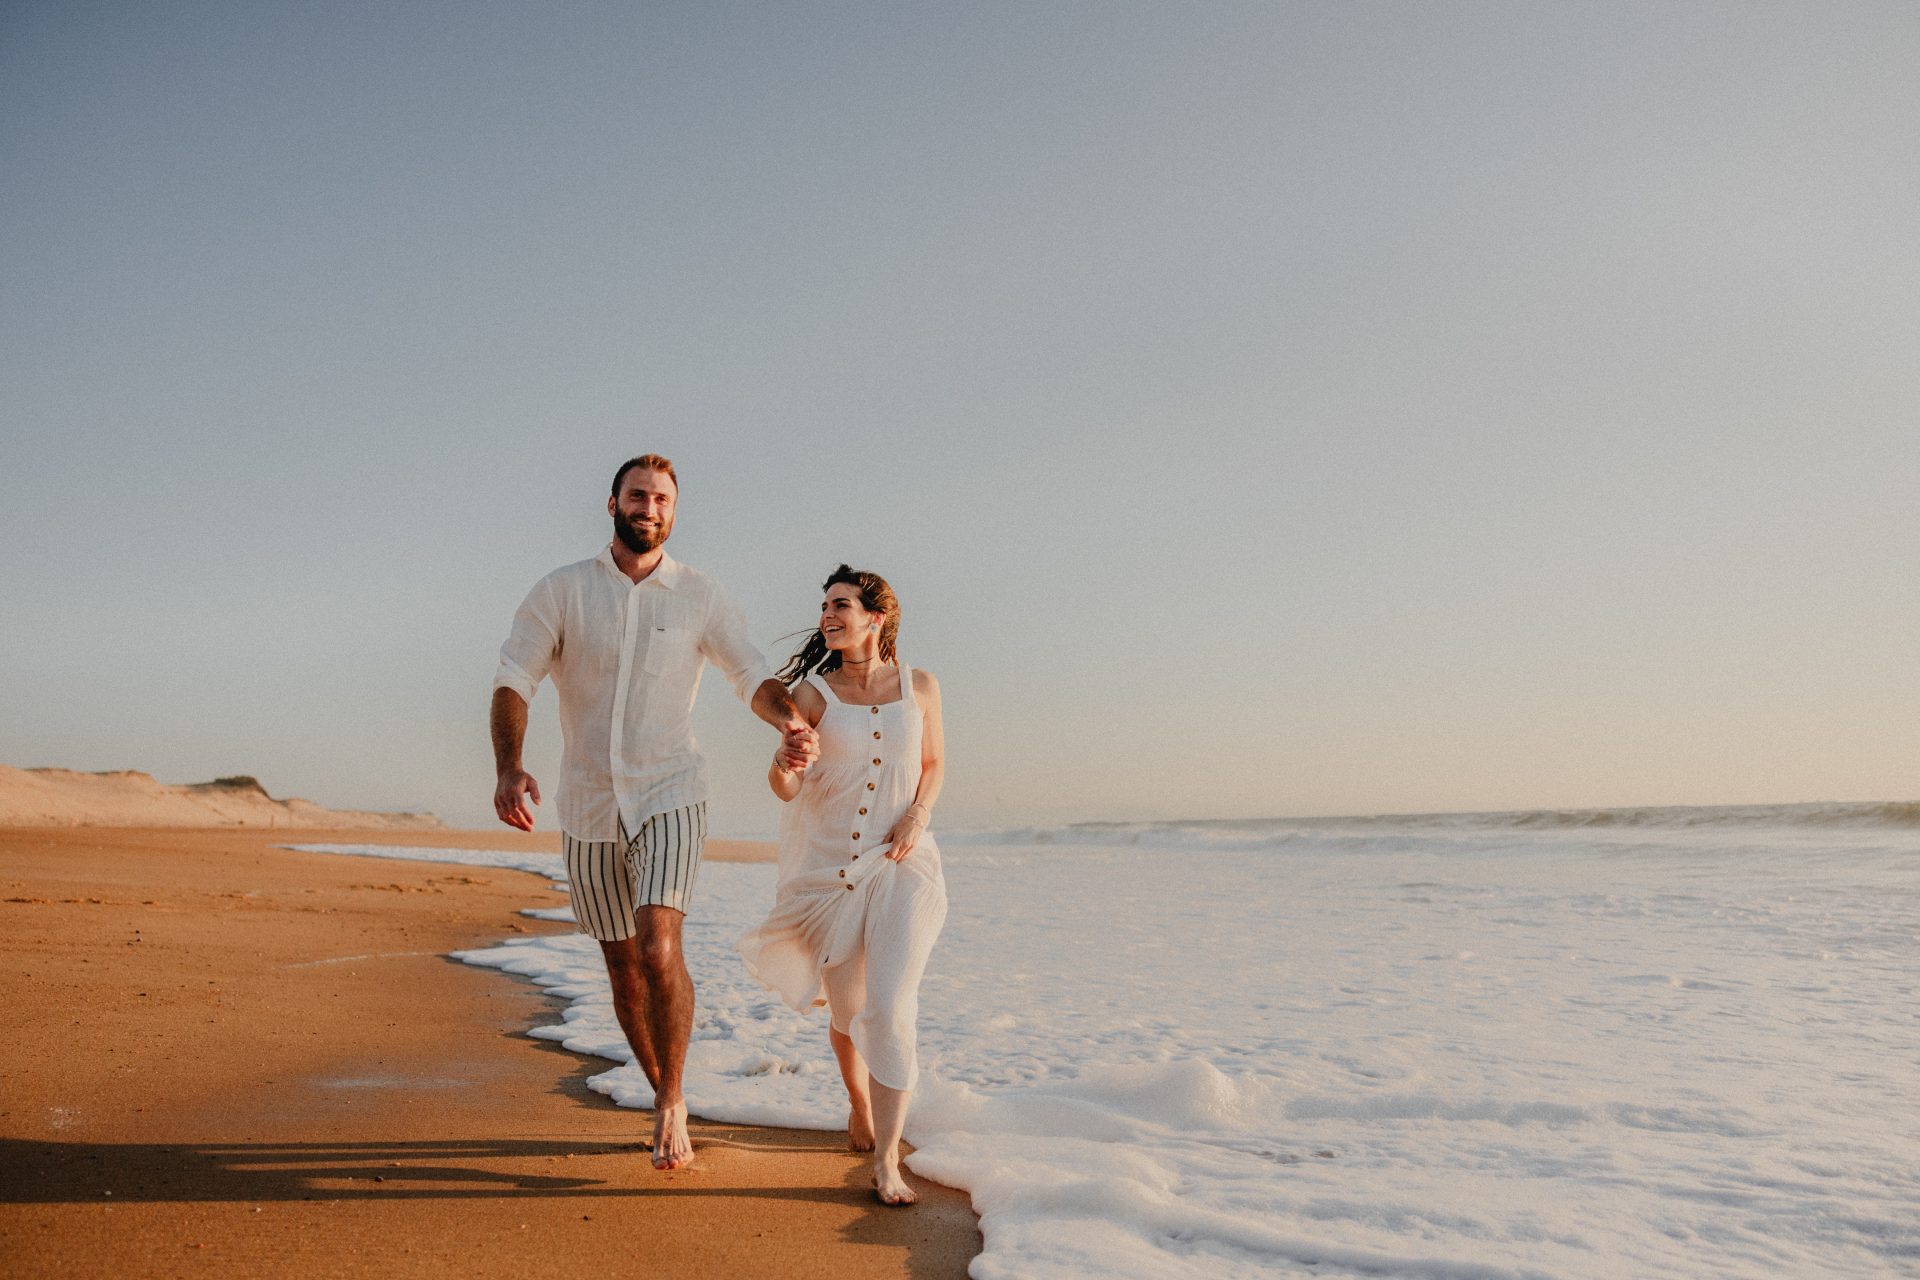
x=933 y=768
x=785 y=782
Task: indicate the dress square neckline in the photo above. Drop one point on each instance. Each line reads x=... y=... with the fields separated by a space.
x=900 y=669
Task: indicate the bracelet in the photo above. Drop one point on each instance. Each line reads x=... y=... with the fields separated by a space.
x=922 y=808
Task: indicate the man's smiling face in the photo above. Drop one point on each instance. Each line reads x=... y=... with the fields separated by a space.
x=643 y=509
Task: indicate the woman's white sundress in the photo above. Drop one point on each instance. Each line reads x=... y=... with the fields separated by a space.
x=844 y=914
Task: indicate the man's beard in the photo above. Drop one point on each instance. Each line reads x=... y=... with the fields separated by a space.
x=638 y=542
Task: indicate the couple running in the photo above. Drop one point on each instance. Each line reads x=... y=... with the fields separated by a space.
x=860 y=898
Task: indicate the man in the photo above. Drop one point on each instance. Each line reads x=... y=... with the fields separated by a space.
x=625 y=636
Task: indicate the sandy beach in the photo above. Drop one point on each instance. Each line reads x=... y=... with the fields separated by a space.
x=228 y=1057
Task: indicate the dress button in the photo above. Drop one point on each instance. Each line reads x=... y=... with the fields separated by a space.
x=856 y=857
x=876 y=760
x=863 y=813
x=843 y=873
x=875 y=710
x=869 y=786
x=876 y=733
x=856 y=835
x=849 y=888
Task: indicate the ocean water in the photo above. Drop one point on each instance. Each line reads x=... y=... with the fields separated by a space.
x=1672 y=1042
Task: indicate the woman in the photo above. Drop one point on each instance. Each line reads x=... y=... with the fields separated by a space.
x=860 y=897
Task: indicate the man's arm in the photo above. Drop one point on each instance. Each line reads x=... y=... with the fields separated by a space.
x=525 y=660
x=725 y=643
x=514 y=785
x=773 y=702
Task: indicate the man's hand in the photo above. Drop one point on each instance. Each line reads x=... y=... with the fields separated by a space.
x=799 y=746
x=510 y=796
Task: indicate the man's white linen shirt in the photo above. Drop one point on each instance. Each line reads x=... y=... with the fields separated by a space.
x=626 y=658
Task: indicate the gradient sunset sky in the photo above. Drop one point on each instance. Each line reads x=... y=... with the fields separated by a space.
x=1262 y=409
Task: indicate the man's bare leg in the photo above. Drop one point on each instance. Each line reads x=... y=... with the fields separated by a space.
x=670 y=1026
x=854 y=1071
x=630 y=1003
x=889 y=1120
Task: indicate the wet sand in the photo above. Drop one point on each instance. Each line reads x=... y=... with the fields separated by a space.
x=230 y=1057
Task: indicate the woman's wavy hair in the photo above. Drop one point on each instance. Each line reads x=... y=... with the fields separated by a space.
x=876 y=597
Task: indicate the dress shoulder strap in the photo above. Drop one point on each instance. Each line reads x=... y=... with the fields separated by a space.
x=813 y=678
x=912 y=707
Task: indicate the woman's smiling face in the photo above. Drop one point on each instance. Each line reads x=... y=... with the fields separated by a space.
x=844 y=621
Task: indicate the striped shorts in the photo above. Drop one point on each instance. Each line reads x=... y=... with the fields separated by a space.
x=609 y=880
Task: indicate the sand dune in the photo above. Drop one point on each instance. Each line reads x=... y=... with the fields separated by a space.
x=128 y=798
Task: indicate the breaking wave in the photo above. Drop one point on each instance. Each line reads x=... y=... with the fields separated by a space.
x=1248 y=833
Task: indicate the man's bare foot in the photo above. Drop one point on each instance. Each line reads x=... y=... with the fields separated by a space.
x=889 y=1186
x=672 y=1149
x=860 y=1129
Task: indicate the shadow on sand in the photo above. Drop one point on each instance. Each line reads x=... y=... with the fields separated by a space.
x=44 y=1172
x=588 y=1174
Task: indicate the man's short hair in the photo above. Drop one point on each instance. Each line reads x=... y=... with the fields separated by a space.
x=650 y=461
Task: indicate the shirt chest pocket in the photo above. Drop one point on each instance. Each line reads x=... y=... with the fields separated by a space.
x=669 y=646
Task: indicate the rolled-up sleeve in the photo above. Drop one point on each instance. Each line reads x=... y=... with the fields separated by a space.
x=724 y=642
x=528 y=654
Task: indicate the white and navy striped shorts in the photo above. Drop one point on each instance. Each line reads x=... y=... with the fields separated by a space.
x=609 y=880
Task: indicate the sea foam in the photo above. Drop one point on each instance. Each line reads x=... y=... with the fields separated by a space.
x=1412 y=1048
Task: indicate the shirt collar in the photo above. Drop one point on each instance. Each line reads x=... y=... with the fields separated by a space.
x=666 y=573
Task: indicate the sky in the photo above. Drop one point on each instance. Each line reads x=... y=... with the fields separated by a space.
x=1261 y=409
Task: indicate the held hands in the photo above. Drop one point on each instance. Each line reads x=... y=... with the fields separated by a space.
x=510 y=796
x=907 y=832
x=799 y=747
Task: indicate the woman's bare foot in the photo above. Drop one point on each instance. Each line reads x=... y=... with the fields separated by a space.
x=889 y=1185
x=672 y=1149
x=860 y=1129
x=859 y=1101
